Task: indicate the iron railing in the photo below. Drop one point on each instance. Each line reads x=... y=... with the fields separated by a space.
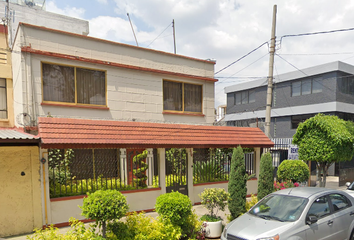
x=79 y=171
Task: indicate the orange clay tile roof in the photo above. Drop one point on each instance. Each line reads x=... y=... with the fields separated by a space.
x=84 y=133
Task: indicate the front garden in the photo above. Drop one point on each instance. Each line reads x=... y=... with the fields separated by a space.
x=176 y=219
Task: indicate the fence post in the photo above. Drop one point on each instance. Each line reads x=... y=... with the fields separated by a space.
x=123 y=166
x=150 y=170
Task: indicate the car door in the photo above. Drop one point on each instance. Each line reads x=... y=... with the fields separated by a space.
x=343 y=214
x=323 y=228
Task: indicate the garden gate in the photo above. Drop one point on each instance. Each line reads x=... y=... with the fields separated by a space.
x=176 y=170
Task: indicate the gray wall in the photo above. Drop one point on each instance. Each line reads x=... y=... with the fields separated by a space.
x=281 y=126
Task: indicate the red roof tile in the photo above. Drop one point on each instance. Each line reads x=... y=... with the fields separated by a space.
x=84 y=133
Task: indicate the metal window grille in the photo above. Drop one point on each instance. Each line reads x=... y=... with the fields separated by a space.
x=79 y=171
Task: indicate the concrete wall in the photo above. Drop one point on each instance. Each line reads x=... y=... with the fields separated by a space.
x=131 y=94
x=20 y=188
x=62 y=210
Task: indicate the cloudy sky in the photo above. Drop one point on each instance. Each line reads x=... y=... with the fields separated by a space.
x=225 y=30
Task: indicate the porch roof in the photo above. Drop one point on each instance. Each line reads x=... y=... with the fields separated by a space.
x=85 y=133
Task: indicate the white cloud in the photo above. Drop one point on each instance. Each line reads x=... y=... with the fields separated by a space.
x=68 y=11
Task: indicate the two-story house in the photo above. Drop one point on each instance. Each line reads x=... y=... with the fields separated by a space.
x=117 y=116
x=297 y=96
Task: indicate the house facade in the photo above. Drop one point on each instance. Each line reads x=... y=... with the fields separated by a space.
x=297 y=96
x=116 y=116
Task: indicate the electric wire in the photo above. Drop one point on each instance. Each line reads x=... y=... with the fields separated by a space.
x=241 y=57
x=159 y=34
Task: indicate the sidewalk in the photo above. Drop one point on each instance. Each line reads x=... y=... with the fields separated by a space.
x=331 y=182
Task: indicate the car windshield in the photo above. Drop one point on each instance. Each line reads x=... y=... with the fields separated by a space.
x=351 y=186
x=279 y=208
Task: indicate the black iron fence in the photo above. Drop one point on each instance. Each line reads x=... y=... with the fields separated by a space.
x=78 y=171
x=213 y=165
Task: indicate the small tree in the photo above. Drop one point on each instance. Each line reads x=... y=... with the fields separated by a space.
x=176 y=208
x=140 y=170
x=266 y=179
x=237 y=184
x=214 y=199
x=324 y=139
x=294 y=170
x=104 y=205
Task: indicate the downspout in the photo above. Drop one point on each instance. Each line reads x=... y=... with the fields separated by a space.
x=43 y=161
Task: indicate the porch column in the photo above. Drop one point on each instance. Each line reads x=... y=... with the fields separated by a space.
x=190 y=174
x=257 y=157
x=162 y=169
x=123 y=166
x=150 y=170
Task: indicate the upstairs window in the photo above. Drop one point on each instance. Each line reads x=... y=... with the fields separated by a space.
x=73 y=85
x=346 y=85
x=245 y=97
x=3 y=99
x=306 y=86
x=182 y=97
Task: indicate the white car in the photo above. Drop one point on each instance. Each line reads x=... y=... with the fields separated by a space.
x=304 y=213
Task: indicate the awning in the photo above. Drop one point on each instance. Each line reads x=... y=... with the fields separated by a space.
x=84 y=133
x=16 y=136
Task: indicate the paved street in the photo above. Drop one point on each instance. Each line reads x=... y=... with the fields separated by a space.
x=332 y=182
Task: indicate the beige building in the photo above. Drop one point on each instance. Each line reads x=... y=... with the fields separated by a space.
x=97 y=105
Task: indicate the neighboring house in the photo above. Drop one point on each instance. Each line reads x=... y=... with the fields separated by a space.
x=297 y=96
x=20 y=190
x=33 y=12
x=98 y=105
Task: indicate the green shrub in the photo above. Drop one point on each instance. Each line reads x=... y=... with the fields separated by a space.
x=139 y=226
x=176 y=208
x=266 y=179
x=103 y=206
x=140 y=171
x=77 y=231
x=237 y=184
x=294 y=170
x=253 y=201
x=214 y=199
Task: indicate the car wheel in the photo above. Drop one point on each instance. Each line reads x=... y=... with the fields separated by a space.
x=352 y=235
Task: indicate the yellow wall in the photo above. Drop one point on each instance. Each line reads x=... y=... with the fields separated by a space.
x=20 y=196
x=6 y=72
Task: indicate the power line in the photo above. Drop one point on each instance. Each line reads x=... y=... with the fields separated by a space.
x=159 y=34
x=244 y=67
x=316 y=33
x=241 y=57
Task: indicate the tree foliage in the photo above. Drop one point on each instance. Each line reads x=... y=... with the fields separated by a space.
x=266 y=178
x=237 y=184
x=177 y=208
x=104 y=205
x=324 y=139
x=294 y=170
x=140 y=170
x=214 y=199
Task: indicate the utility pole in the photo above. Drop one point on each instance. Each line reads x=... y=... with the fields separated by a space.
x=270 y=75
x=174 y=34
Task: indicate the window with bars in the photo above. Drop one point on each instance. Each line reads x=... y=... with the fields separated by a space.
x=182 y=97
x=73 y=85
x=3 y=99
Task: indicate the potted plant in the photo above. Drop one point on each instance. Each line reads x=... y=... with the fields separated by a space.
x=214 y=199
